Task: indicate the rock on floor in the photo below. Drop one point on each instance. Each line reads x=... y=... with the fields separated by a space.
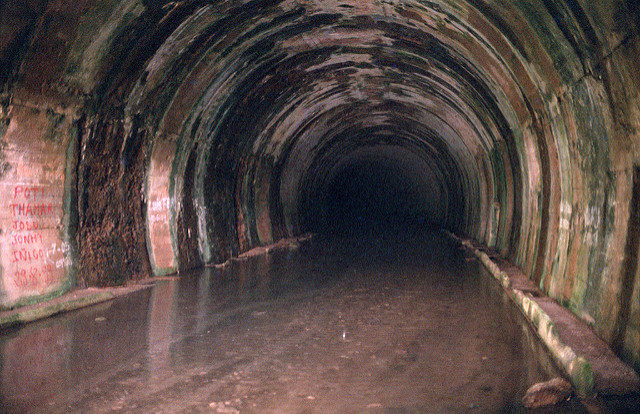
x=548 y=393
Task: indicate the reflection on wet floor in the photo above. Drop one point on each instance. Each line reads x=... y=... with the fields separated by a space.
x=365 y=323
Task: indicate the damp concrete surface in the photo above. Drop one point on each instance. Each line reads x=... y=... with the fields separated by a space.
x=377 y=322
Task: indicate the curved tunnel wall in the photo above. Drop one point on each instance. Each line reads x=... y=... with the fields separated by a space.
x=150 y=137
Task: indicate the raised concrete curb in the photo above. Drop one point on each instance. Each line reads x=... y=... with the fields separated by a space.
x=293 y=243
x=611 y=376
x=65 y=303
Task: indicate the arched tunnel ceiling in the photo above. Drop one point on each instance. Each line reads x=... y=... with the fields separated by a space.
x=171 y=134
x=306 y=80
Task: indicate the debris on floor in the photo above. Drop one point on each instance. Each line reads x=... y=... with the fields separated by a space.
x=544 y=394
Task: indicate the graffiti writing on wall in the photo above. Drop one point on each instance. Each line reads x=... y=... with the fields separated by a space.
x=159 y=211
x=33 y=255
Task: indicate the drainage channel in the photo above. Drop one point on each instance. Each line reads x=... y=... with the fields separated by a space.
x=379 y=323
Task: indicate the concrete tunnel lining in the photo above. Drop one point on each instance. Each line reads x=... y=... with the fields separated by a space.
x=188 y=132
x=328 y=94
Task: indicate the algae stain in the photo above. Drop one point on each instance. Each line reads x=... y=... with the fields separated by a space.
x=55 y=121
x=5 y=166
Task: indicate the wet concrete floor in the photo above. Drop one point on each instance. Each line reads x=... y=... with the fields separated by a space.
x=373 y=324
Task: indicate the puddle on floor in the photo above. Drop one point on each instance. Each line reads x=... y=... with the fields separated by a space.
x=374 y=324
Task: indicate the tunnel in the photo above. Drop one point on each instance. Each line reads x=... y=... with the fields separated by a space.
x=143 y=139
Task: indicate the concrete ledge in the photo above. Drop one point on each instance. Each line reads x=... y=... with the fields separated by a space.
x=68 y=302
x=587 y=360
x=293 y=243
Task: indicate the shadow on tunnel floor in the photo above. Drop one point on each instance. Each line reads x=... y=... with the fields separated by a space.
x=387 y=239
